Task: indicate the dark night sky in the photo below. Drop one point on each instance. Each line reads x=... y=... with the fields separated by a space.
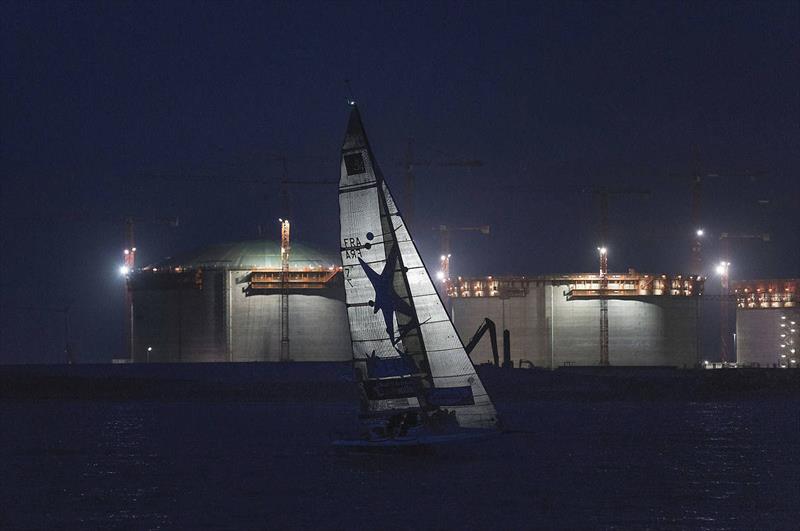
x=97 y=98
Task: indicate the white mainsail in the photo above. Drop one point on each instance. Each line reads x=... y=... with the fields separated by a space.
x=406 y=352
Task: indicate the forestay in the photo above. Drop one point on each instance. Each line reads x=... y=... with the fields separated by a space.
x=406 y=352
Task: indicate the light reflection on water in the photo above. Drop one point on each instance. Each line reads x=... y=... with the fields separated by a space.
x=151 y=465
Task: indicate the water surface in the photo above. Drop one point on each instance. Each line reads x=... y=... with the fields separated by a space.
x=152 y=465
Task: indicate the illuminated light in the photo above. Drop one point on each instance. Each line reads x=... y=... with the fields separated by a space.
x=783 y=335
x=124 y=270
x=791 y=350
x=134 y=249
x=700 y=232
x=602 y=250
x=440 y=275
x=783 y=317
x=149 y=349
x=443 y=258
x=280 y=220
x=126 y=252
x=155 y=270
x=794 y=361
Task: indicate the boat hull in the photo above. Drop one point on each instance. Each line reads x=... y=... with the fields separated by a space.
x=427 y=440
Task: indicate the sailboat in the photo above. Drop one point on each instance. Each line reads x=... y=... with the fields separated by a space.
x=417 y=385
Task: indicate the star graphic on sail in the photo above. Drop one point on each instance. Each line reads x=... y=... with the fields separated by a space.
x=386 y=298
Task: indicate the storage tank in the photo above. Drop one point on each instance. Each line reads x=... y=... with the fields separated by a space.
x=223 y=303
x=555 y=320
x=767 y=323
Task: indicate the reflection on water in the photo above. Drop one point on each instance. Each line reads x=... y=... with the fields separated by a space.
x=151 y=465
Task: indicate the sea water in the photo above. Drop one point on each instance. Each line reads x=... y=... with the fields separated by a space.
x=668 y=464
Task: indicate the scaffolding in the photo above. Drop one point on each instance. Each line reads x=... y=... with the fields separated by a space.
x=582 y=286
x=764 y=294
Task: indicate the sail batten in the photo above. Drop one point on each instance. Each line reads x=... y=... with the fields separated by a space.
x=405 y=348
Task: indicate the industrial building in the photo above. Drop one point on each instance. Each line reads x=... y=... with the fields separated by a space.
x=767 y=323
x=224 y=303
x=584 y=319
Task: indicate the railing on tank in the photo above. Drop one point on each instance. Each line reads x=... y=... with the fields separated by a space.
x=269 y=280
x=764 y=294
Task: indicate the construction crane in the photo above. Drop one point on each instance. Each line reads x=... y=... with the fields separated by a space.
x=285 y=248
x=604 y=361
x=286 y=212
x=128 y=253
x=409 y=163
x=698 y=177
x=444 y=246
x=129 y=265
x=723 y=270
x=602 y=193
x=284 y=181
